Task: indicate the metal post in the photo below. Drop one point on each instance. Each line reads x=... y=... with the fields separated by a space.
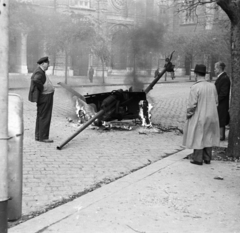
x=4 y=5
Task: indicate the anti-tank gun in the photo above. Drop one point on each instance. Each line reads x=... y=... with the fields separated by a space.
x=116 y=105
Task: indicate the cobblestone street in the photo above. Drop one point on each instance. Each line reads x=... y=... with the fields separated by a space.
x=94 y=157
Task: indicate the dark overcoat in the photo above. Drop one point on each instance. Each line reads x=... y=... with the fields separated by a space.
x=223 y=89
x=36 y=87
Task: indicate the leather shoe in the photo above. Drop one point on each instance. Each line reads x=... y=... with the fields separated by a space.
x=46 y=140
x=207 y=162
x=196 y=163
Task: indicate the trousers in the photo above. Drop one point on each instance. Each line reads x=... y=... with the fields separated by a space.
x=44 y=116
x=202 y=154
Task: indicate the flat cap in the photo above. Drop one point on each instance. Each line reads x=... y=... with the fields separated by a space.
x=43 y=59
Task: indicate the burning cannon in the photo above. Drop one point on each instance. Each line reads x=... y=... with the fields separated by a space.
x=115 y=105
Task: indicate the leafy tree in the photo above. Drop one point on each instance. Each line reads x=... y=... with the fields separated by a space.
x=198 y=44
x=65 y=32
x=59 y=31
x=22 y=21
x=232 y=10
x=101 y=43
x=101 y=48
x=22 y=17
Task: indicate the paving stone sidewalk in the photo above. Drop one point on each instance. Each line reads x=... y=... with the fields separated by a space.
x=169 y=196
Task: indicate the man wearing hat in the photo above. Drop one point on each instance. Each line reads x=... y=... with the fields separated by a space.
x=41 y=91
x=201 y=131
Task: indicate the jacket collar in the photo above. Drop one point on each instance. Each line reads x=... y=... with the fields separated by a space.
x=201 y=80
x=40 y=68
x=220 y=74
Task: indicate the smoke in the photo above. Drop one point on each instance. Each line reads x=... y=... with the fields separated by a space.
x=134 y=80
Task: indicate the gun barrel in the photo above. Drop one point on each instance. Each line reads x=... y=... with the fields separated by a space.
x=151 y=85
x=84 y=126
x=73 y=92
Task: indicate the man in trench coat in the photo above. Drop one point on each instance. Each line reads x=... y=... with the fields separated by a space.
x=223 y=89
x=41 y=91
x=201 y=131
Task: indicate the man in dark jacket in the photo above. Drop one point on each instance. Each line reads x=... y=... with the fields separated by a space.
x=41 y=91
x=223 y=89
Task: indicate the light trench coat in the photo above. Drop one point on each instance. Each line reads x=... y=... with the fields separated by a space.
x=202 y=125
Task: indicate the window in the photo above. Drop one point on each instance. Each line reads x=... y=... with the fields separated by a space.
x=210 y=14
x=188 y=12
x=188 y=17
x=79 y=3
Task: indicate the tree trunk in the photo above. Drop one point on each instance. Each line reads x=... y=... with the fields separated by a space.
x=234 y=134
x=232 y=9
x=54 y=63
x=134 y=68
x=103 y=77
x=66 y=67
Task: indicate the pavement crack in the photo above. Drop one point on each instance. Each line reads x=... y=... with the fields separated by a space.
x=136 y=230
x=45 y=228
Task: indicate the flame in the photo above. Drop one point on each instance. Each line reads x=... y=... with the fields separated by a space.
x=145 y=113
x=84 y=111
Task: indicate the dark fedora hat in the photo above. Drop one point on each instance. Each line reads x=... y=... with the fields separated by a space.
x=200 y=69
x=42 y=60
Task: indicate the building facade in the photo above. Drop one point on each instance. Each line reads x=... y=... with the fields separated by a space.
x=114 y=18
